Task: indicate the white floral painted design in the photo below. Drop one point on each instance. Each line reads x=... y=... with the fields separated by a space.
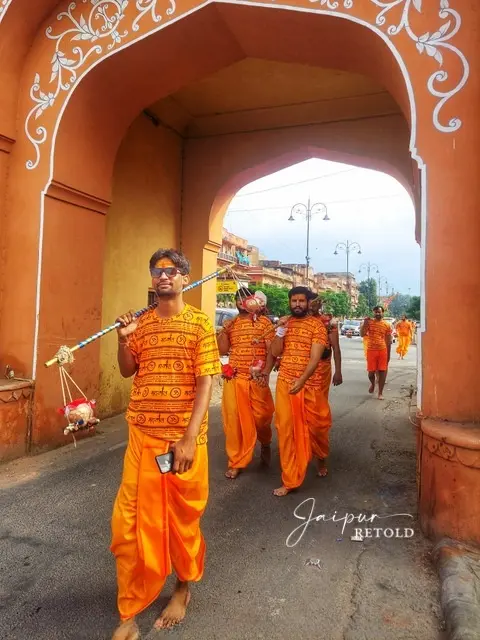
x=102 y=21
x=92 y=26
x=432 y=44
x=3 y=7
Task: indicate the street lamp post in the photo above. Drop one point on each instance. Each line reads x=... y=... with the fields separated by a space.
x=368 y=266
x=381 y=280
x=347 y=247
x=308 y=211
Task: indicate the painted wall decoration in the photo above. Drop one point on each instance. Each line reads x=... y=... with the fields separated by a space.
x=92 y=29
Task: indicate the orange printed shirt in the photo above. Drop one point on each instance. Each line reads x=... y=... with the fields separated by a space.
x=403 y=328
x=301 y=334
x=242 y=332
x=377 y=332
x=170 y=353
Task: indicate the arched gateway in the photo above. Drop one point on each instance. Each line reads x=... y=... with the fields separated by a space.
x=86 y=182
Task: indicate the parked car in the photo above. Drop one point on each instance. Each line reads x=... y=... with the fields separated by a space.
x=223 y=314
x=352 y=326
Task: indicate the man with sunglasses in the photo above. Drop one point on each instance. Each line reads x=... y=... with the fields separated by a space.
x=172 y=353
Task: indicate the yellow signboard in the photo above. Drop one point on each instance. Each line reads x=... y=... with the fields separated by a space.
x=227 y=286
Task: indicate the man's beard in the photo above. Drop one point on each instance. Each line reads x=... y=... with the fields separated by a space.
x=299 y=313
x=163 y=293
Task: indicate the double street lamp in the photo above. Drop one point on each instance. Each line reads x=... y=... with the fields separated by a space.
x=348 y=247
x=308 y=211
x=381 y=280
x=369 y=266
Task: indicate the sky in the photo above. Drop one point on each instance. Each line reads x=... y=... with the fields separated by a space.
x=364 y=206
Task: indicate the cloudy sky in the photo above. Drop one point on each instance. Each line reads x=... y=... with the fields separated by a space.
x=364 y=206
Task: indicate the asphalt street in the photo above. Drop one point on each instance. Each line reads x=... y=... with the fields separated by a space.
x=57 y=578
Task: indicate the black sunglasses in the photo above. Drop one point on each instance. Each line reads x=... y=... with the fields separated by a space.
x=170 y=272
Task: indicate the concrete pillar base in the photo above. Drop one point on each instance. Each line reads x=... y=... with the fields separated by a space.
x=449 y=480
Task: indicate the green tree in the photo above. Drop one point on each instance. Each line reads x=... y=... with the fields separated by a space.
x=336 y=303
x=277 y=298
x=399 y=305
x=369 y=289
x=363 y=308
x=413 y=310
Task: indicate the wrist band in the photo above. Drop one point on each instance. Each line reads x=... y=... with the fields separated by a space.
x=280 y=332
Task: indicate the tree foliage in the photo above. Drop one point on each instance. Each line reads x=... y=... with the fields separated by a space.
x=399 y=305
x=413 y=310
x=337 y=304
x=277 y=298
x=369 y=289
x=363 y=308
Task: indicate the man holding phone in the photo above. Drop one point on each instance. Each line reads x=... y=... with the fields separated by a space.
x=379 y=342
x=172 y=353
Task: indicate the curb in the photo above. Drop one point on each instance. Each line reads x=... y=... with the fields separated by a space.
x=458 y=567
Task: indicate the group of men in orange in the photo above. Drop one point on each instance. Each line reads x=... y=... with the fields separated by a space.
x=304 y=341
x=173 y=353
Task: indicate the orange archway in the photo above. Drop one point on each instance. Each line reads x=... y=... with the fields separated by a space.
x=81 y=73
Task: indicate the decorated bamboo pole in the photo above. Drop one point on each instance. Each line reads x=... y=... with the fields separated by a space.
x=64 y=354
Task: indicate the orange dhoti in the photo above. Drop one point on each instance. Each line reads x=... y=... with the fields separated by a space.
x=403 y=344
x=156 y=523
x=247 y=410
x=303 y=422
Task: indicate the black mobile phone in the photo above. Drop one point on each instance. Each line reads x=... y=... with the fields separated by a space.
x=165 y=462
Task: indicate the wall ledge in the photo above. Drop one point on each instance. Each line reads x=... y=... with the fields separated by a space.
x=64 y=193
x=453 y=441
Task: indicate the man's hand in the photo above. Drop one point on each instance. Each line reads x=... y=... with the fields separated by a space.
x=337 y=378
x=283 y=321
x=183 y=454
x=296 y=386
x=129 y=323
x=261 y=379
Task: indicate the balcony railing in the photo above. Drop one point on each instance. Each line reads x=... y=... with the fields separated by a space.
x=227 y=257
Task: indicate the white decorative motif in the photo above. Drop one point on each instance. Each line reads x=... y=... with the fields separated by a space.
x=101 y=22
x=3 y=7
x=431 y=44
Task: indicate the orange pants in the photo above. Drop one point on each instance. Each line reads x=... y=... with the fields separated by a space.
x=156 y=523
x=377 y=360
x=403 y=344
x=303 y=422
x=247 y=411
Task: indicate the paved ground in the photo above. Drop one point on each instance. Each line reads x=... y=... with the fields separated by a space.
x=57 y=577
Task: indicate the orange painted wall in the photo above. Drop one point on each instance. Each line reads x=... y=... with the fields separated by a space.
x=144 y=215
x=70 y=309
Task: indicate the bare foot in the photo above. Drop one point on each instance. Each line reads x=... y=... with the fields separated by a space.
x=380 y=397
x=231 y=474
x=176 y=609
x=127 y=630
x=322 y=471
x=266 y=454
x=282 y=491
x=371 y=389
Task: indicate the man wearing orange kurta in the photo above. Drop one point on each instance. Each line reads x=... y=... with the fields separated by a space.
x=302 y=413
x=379 y=334
x=172 y=352
x=404 y=334
x=247 y=403
x=325 y=364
